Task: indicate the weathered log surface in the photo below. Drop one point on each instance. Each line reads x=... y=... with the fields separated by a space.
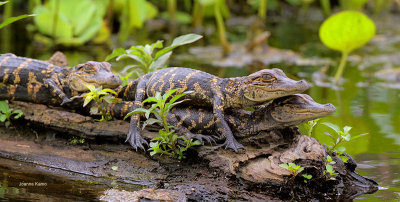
x=210 y=173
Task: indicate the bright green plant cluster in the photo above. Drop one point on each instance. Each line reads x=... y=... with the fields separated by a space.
x=344 y=32
x=7 y=113
x=76 y=140
x=295 y=170
x=102 y=97
x=146 y=58
x=168 y=141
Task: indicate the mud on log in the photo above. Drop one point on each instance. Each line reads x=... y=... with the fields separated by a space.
x=256 y=170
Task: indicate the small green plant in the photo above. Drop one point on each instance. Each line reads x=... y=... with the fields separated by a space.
x=329 y=172
x=125 y=79
x=338 y=138
x=102 y=97
x=147 y=58
x=344 y=32
x=167 y=142
x=6 y=113
x=292 y=168
x=10 y=20
x=114 y=168
x=307 y=177
x=76 y=140
x=309 y=126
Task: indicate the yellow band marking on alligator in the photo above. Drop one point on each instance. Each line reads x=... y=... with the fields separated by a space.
x=199 y=90
x=184 y=82
x=187 y=115
x=171 y=81
x=4 y=60
x=17 y=78
x=212 y=122
x=11 y=91
x=193 y=125
x=36 y=89
x=125 y=108
x=161 y=79
x=128 y=87
x=160 y=88
x=5 y=78
x=201 y=115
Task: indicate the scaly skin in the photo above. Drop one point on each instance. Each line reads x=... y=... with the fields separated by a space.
x=199 y=122
x=30 y=80
x=209 y=90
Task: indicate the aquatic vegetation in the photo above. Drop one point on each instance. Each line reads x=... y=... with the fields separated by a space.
x=352 y=4
x=344 y=32
x=8 y=20
x=102 y=97
x=168 y=141
x=70 y=23
x=7 y=113
x=133 y=14
x=147 y=59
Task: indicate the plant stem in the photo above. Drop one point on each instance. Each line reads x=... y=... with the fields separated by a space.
x=6 y=31
x=262 y=9
x=342 y=65
x=326 y=7
x=172 y=9
x=221 y=27
x=198 y=13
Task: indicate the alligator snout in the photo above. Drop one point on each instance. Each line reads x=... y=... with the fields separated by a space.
x=304 y=84
x=330 y=108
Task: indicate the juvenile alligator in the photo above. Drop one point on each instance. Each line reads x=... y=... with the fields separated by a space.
x=31 y=80
x=199 y=122
x=209 y=90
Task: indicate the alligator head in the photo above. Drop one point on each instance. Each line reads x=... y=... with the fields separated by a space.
x=298 y=108
x=92 y=73
x=268 y=84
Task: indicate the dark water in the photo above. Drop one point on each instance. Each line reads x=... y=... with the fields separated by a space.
x=364 y=103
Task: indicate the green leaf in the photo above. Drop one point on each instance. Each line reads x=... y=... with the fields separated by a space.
x=344 y=158
x=329 y=168
x=284 y=165
x=300 y=169
x=4 y=106
x=195 y=143
x=18 y=113
x=358 y=136
x=116 y=52
x=150 y=121
x=347 y=137
x=3 y=117
x=334 y=127
x=328 y=158
x=13 y=19
x=179 y=41
x=114 y=168
x=346 y=31
x=2 y=3
x=87 y=100
x=150 y=99
x=307 y=176
x=136 y=111
x=346 y=129
x=94 y=110
x=160 y=62
x=153 y=106
x=109 y=91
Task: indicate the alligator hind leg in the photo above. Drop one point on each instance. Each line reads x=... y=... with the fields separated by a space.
x=172 y=120
x=134 y=138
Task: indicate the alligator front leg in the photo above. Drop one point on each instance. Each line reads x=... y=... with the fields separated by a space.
x=223 y=127
x=134 y=138
x=56 y=91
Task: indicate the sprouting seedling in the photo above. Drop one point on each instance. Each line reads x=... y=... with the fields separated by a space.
x=344 y=32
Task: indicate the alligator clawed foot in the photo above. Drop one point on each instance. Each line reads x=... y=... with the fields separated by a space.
x=203 y=138
x=232 y=144
x=65 y=101
x=136 y=141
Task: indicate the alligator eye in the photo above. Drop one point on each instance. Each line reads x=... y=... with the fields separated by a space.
x=88 y=68
x=267 y=77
